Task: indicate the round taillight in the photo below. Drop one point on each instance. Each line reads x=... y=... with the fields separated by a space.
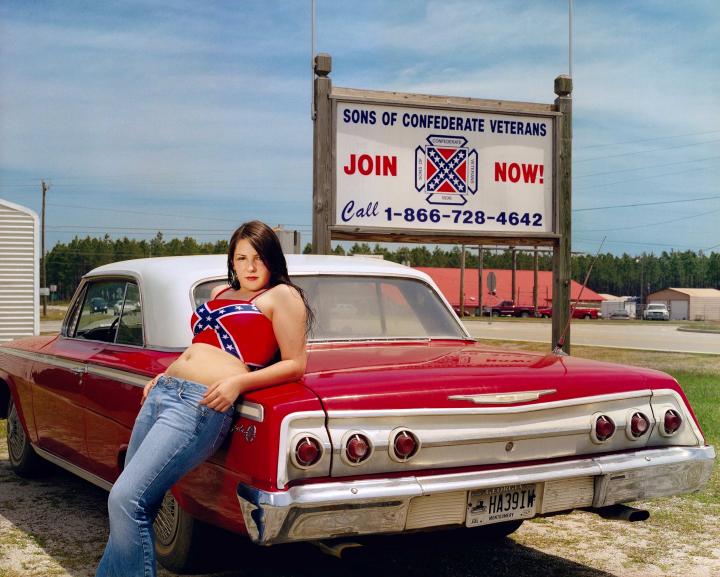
x=405 y=445
x=308 y=451
x=639 y=425
x=604 y=428
x=357 y=448
x=672 y=422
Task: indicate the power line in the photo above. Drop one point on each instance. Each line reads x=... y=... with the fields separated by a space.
x=647 y=203
x=646 y=140
x=651 y=223
x=649 y=150
x=629 y=242
x=211 y=218
x=650 y=176
x=647 y=167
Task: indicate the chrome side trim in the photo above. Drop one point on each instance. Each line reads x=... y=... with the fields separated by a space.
x=74 y=469
x=247 y=409
x=43 y=358
x=503 y=398
x=252 y=411
x=118 y=375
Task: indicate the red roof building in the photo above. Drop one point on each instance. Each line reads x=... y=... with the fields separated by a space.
x=448 y=279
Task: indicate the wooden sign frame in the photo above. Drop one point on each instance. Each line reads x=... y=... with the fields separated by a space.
x=326 y=99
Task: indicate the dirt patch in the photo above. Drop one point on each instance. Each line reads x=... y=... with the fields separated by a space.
x=56 y=526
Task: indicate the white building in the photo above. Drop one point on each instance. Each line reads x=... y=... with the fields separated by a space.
x=19 y=272
x=693 y=304
x=614 y=303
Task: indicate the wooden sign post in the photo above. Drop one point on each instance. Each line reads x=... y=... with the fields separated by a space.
x=398 y=167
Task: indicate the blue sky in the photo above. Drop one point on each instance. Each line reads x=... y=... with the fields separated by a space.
x=191 y=117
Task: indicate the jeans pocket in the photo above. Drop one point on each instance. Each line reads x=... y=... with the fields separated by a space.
x=191 y=399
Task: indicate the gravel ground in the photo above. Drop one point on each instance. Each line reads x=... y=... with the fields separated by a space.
x=57 y=526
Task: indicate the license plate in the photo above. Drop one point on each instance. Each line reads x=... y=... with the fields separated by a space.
x=500 y=504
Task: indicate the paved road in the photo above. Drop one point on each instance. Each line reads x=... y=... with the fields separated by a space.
x=655 y=337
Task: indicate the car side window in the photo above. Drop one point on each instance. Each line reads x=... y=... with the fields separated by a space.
x=129 y=330
x=110 y=312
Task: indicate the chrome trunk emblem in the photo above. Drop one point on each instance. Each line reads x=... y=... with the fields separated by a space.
x=503 y=398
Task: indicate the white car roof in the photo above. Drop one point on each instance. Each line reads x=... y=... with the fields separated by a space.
x=166 y=285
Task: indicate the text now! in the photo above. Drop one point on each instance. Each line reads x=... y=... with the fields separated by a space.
x=514 y=172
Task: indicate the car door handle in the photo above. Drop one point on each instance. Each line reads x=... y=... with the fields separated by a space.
x=79 y=370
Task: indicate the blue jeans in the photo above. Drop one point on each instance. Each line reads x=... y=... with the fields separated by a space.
x=172 y=435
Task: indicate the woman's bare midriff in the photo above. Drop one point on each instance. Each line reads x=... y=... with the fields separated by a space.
x=205 y=364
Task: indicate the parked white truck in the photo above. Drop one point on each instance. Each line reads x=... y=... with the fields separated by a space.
x=656 y=312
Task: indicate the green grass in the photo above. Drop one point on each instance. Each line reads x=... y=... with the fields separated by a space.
x=698 y=375
x=703 y=392
x=710 y=326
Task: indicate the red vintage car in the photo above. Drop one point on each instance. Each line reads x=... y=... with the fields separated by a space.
x=401 y=423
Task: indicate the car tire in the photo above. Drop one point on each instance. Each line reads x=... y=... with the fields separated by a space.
x=524 y=314
x=495 y=313
x=179 y=537
x=23 y=458
x=586 y=317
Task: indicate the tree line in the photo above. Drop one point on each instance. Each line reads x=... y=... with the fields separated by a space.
x=619 y=275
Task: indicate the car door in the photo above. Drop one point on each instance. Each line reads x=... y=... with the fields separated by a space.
x=58 y=387
x=113 y=384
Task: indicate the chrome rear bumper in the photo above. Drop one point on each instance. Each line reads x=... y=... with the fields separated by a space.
x=335 y=509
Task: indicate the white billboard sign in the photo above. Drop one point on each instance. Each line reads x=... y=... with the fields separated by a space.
x=441 y=170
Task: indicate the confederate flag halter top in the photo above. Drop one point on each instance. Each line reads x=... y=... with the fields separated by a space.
x=237 y=327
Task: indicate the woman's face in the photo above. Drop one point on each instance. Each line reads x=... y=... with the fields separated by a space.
x=249 y=267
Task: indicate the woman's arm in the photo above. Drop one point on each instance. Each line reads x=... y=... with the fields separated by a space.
x=287 y=311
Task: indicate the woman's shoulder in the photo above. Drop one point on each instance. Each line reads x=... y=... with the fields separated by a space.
x=218 y=290
x=284 y=291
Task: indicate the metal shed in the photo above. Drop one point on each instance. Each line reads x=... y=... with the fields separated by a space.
x=19 y=272
x=694 y=304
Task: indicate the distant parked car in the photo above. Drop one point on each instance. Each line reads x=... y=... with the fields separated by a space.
x=98 y=305
x=620 y=314
x=656 y=312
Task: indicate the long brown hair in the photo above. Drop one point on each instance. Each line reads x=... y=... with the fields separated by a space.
x=267 y=244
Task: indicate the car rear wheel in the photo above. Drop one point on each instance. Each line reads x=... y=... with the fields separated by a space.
x=179 y=537
x=23 y=458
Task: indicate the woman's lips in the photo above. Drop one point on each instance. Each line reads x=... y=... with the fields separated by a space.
x=251 y=278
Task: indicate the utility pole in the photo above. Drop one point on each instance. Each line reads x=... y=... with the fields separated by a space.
x=462 y=280
x=43 y=275
x=480 y=281
x=514 y=297
x=535 y=281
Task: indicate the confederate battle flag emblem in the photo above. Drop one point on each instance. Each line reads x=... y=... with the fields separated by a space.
x=446 y=169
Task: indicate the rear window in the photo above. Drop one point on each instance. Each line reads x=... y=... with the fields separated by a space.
x=362 y=308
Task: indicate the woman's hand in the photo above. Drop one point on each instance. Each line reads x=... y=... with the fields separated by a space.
x=222 y=394
x=150 y=384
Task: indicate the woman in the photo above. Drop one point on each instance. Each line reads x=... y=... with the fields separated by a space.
x=187 y=411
